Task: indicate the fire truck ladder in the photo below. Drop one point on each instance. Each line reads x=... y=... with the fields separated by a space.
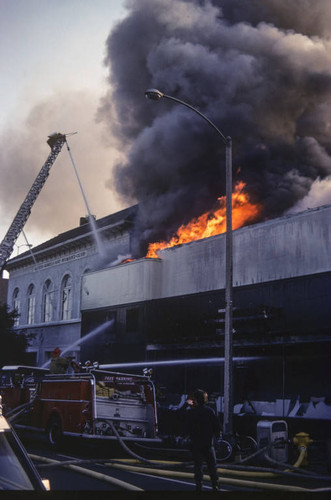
x=55 y=141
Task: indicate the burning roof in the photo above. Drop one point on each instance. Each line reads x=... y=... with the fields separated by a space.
x=212 y=222
x=260 y=70
x=291 y=246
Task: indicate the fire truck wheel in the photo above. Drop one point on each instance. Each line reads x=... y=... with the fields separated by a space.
x=54 y=431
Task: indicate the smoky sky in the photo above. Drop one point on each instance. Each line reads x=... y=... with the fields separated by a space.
x=23 y=151
x=259 y=69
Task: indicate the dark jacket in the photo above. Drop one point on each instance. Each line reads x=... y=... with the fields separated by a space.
x=201 y=424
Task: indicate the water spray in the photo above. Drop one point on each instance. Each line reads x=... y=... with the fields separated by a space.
x=174 y=362
x=82 y=340
x=97 y=238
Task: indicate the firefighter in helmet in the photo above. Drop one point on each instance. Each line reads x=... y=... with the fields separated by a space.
x=59 y=364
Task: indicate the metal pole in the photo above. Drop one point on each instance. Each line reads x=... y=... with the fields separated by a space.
x=228 y=362
x=155 y=95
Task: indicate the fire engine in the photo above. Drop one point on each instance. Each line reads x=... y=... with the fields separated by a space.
x=94 y=403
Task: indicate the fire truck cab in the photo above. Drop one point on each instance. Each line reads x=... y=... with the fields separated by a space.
x=91 y=404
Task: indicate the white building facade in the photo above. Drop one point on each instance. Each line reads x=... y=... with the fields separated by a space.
x=45 y=286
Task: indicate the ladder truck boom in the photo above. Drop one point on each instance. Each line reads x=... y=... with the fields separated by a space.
x=55 y=141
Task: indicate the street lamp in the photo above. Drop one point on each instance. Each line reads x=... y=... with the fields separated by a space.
x=156 y=95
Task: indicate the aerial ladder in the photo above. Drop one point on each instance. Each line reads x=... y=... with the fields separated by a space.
x=55 y=142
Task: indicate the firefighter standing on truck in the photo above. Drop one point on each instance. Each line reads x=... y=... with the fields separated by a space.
x=58 y=364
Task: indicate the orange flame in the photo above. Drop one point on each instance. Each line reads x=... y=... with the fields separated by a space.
x=212 y=222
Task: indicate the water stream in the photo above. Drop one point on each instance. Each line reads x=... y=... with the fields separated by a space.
x=175 y=362
x=82 y=340
x=95 y=232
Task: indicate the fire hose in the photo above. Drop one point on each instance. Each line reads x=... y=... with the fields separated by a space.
x=87 y=472
x=228 y=470
x=295 y=466
x=222 y=480
x=168 y=473
x=165 y=472
x=12 y=415
x=235 y=470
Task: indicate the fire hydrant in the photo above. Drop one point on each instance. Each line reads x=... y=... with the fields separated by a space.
x=302 y=440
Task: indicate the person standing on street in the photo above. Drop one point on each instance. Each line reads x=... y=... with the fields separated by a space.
x=203 y=426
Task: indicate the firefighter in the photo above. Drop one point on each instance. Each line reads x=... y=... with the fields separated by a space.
x=203 y=426
x=77 y=367
x=58 y=364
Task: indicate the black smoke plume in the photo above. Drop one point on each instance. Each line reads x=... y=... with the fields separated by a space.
x=259 y=69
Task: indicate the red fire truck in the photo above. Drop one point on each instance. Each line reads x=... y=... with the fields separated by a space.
x=92 y=404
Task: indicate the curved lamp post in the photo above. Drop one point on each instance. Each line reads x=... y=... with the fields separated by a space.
x=156 y=95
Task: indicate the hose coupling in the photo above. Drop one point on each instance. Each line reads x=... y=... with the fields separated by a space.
x=302 y=441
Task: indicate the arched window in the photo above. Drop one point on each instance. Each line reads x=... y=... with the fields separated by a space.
x=17 y=305
x=47 y=312
x=31 y=304
x=66 y=297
